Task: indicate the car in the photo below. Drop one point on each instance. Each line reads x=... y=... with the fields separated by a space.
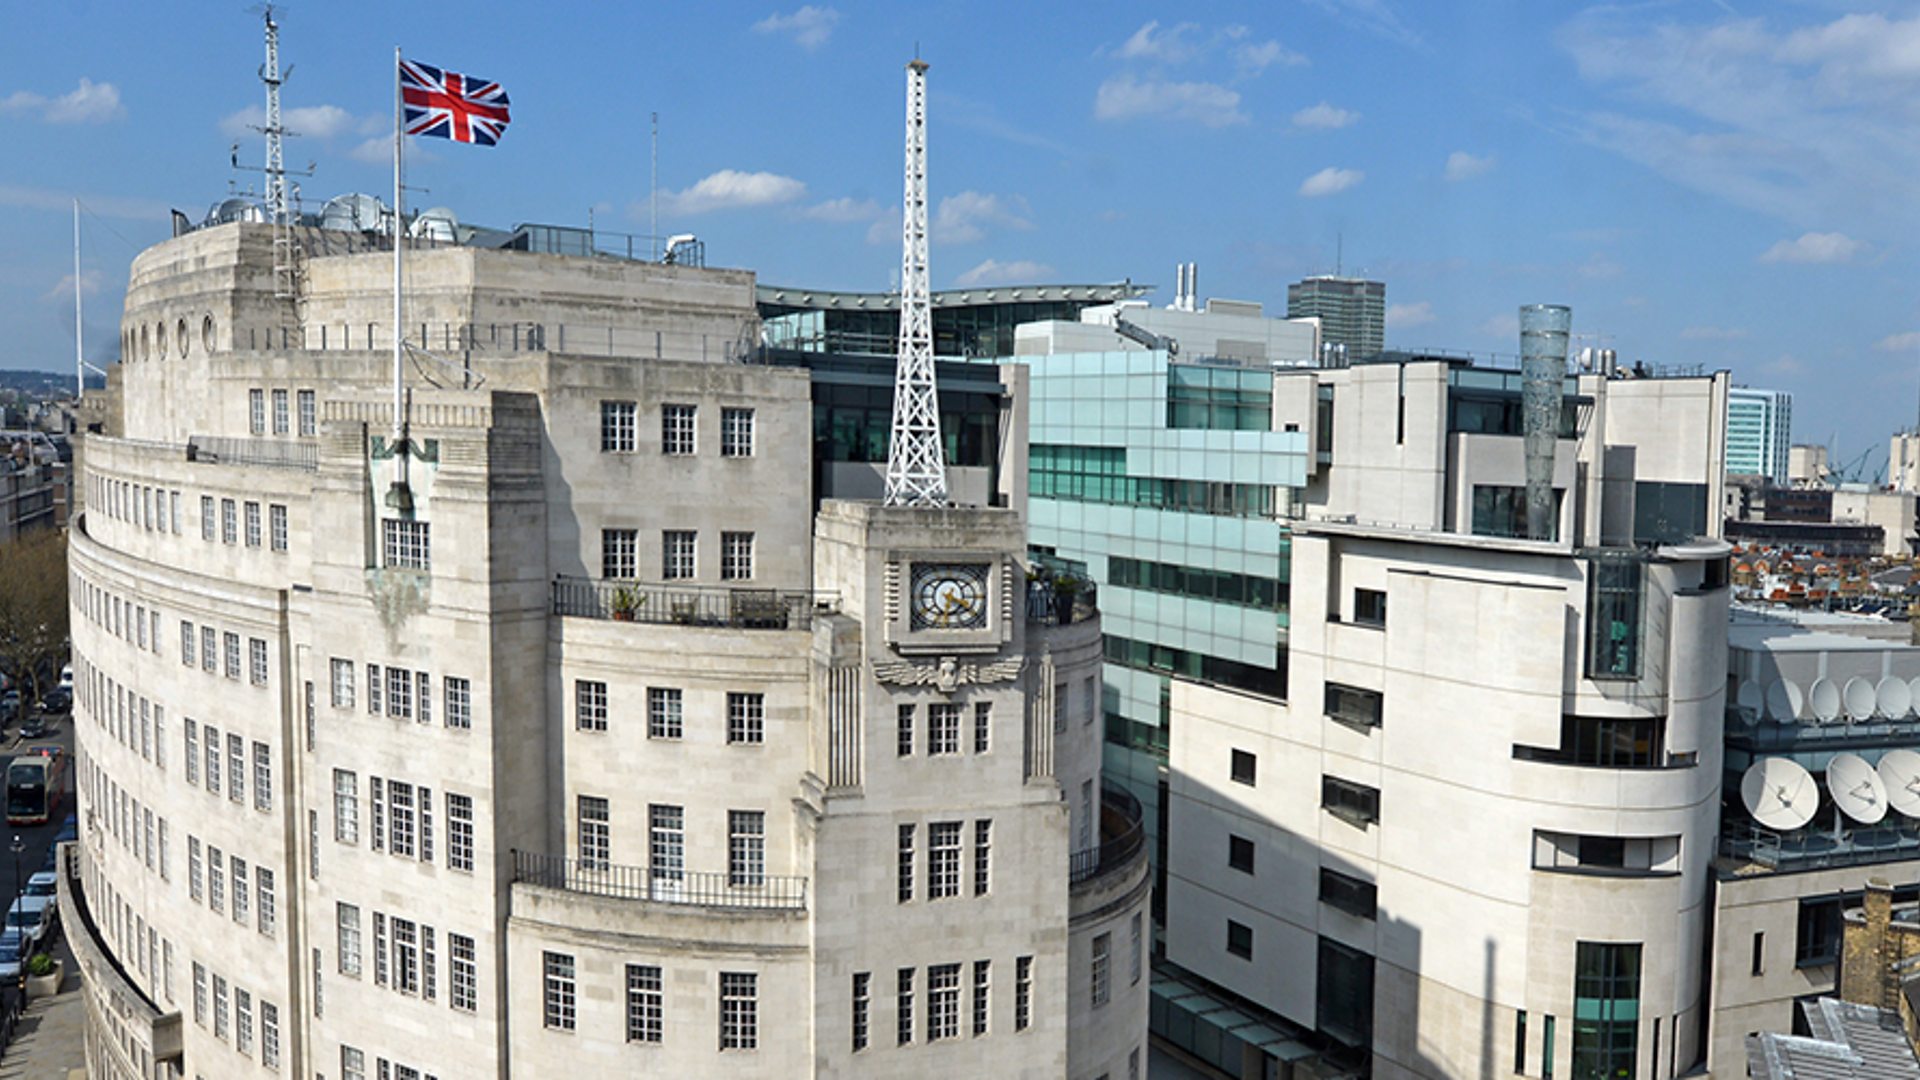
x=35 y=727
x=42 y=883
x=33 y=917
x=69 y=830
x=57 y=701
x=66 y=677
x=13 y=955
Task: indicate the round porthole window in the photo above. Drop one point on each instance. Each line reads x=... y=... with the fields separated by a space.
x=180 y=337
x=206 y=334
x=160 y=339
x=145 y=344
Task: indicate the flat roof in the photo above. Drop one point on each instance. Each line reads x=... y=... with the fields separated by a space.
x=832 y=300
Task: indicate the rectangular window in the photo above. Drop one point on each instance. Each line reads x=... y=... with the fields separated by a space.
x=594 y=832
x=1244 y=767
x=206 y=518
x=342 y=684
x=906 y=730
x=186 y=643
x=1135 y=951
x=746 y=848
x=242 y=896
x=280 y=412
x=1817 y=934
x=943 y=1002
x=400 y=693
x=353 y=1064
x=739 y=1010
x=236 y=769
x=423 y=698
x=309 y=413
x=192 y=735
x=406 y=956
x=676 y=429
x=943 y=860
x=1240 y=940
x=229 y=522
x=667 y=846
x=906 y=863
x=1100 y=972
x=268 y=908
x=346 y=807
x=862 y=1008
x=196 y=870
x=213 y=759
x=1520 y=1041
x=903 y=1005
x=257 y=411
x=253 y=523
x=1239 y=853
x=676 y=554
x=400 y=818
x=1370 y=607
x=982 y=987
x=663 y=713
x=459 y=832
x=1356 y=804
x=943 y=728
x=374 y=707
x=589 y=705
x=262 y=776
x=736 y=556
x=982 y=856
x=1606 y=1008
x=174 y=513
x=405 y=545
x=199 y=993
x=1022 y=993
x=1350 y=894
x=1759 y=952
x=646 y=1004
x=1546 y=1049
x=231 y=651
x=620 y=554
x=557 y=995
x=220 y=997
x=1353 y=706
x=736 y=432
x=1614 y=618
x=270 y=1035
x=257 y=661
x=463 y=992
x=746 y=718
x=209 y=649
x=617 y=427
x=459 y=702
x=982 y=726
x=277 y=526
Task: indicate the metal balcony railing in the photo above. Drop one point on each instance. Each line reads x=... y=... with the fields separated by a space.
x=627 y=601
x=268 y=453
x=699 y=889
x=1123 y=838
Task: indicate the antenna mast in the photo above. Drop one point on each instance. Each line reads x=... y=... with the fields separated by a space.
x=653 y=194
x=916 y=458
x=79 y=350
x=284 y=270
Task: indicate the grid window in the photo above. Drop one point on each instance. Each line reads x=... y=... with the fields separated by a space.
x=459 y=695
x=253 y=524
x=943 y=860
x=342 y=684
x=463 y=992
x=943 y=1002
x=739 y=1010
x=862 y=1008
x=590 y=705
x=664 y=718
x=459 y=832
x=269 y=1035
x=353 y=1064
x=236 y=768
x=173 y=506
x=594 y=832
x=374 y=707
x=423 y=698
x=257 y=661
x=1022 y=993
x=231 y=650
x=262 y=776
x=676 y=554
x=400 y=693
x=406 y=956
x=213 y=759
x=280 y=412
x=620 y=554
x=617 y=427
x=196 y=870
x=746 y=718
x=199 y=993
x=405 y=545
x=1135 y=950
x=220 y=997
x=666 y=845
x=943 y=728
x=558 y=990
x=186 y=643
x=676 y=429
x=982 y=726
x=906 y=730
x=1100 y=972
x=400 y=819
x=736 y=556
x=209 y=649
x=257 y=411
x=206 y=517
x=268 y=908
x=242 y=896
x=192 y=736
x=309 y=413
x=906 y=863
x=229 y=522
x=646 y=1004
x=982 y=856
x=242 y=1021
x=277 y=526
x=736 y=432
x=346 y=807
x=903 y=1005
x=377 y=802
x=982 y=989
x=746 y=848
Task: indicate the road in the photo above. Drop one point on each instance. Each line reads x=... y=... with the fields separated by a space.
x=36 y=838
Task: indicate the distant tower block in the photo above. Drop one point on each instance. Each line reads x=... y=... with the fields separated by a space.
x=916 y=460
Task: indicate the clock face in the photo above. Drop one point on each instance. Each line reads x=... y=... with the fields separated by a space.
x=949 y=597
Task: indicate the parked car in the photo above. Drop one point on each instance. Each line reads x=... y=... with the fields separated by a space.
x=35 y=727
x=13 y=955
x=66 y=677
x=57 y=701
x=42 y=883
x=33 y=917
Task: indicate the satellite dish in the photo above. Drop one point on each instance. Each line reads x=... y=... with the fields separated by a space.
x=1893 y=697
x=1900 y=772
x=353 y=213
x=1749 y=697
x=1913 y=687
x=1824 y=700
x=1779 y=793
x=437 y=224
x=1856 y=788
x=1783 y=701
x=1860 y=698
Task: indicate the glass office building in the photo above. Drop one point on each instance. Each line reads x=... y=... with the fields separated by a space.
x=973 y=323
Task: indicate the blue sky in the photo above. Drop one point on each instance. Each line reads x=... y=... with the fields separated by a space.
x=1724 y=184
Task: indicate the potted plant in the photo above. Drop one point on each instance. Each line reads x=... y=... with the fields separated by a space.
x=626 y=602
x=43 y=975
x=1065 y=587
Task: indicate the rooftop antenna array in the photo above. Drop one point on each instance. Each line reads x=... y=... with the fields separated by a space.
x=279 y=212
x=1779 y=793
x=916 y=459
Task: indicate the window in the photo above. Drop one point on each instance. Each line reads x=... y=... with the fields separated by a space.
x=1502 y=511
x=262 y=776
x=590 y=705
x=192 y=735
x=423 y=698
x=242 y=897
x=257 y=661
x=1613 y=619
x=405 y=545
x=617 y=427
x=400 y=693
x=594 y=832
x=220 y=996
x=663 y=713
x=253 y=524
x=377 y=803
x=1817 y=935
x=1354 y=803
x=196 y=870
x=1759 y=952
x=353 y=1064
x=277 y=526
x=906 y=730
x=459 y=832
x=209 y=649
x=982 y=856
x=406 y=956
x=1240 y=940
x=269 y=1035
x=1239 y=853
x=736 y=556
x=982 y=986
x=676 y=429
x=1100 y=971
x=943 y=860
x=903 y=1005
x=646 y=1004
x=1606 y=1006
x=459 y=702
x=1354 y=707
x=257 y=411
x=746 y=718
x=1135 y=948
x=342 y=684
x=199 y=993
x=213 y=759
x=906 y=863
x=231 y=643
x=619 y=553
x=943 y=1002
x=1348 y=893
x=1022 y=993
x=1244 y=765
x=174 y=514
x=268 y=908
x=1665 y=513
x=558 y=990
x=862 y=1007
x=982 y=725
x=309 y=414
x=236 y=769
x=400 y=819
x=280 y=412
x=1520 y=1041
x=746 y=848
x=186 y=643
x=736 y=432
x=229 y=522
x=346 y=807
x=943 y=728
x=739 y=1010
x=464 y=987
x=1546 y=1049
x=676 y=559
x=243 y=1021
x=666 y=845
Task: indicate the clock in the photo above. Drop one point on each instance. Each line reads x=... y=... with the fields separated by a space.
x=949 y=596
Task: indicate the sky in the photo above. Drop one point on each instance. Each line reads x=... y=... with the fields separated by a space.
x=1716 y=184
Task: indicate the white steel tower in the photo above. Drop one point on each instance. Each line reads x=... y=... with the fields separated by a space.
x=916 y=461
x=276 y=171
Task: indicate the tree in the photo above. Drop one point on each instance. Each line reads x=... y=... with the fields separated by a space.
x=33 y=607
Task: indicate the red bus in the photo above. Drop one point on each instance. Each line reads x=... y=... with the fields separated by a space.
x=33 y=785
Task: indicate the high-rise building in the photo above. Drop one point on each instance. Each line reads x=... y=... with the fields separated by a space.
x=1903 y=462
x=1352 y=313
x=1759 y=432
x=571 y=722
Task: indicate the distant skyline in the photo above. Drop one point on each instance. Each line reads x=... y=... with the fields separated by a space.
x=1718 y=184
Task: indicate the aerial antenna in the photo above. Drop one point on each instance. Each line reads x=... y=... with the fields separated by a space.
x=653 y=193
x=916 y=460
x=1339 y=253
x=275 y=170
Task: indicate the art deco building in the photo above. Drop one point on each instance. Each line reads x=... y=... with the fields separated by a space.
x=582 y=730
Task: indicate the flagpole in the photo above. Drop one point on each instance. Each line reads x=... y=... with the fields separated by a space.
x=399 y=225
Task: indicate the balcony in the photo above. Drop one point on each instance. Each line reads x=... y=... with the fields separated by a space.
x=1123 y=841
x=1815 y=848
x=691 y=605
x=1061 y=598
x=708 y=890
x=303 y=454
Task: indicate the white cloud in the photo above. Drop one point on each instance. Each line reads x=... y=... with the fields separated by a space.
x=316 y=121
x=1407 y=315
x=1899 y=342
x=886 y=231
x=844 y=210
x=809 y=26
x=731 y=189
x=89 y=285
x=1712 y=333
x=1325 y=116
x=1252 y=59
x=961 y=218
x=1330 y=181
x=1151 y=43
x=1373 y=16
x=88 y=103
x=1813 y=247
x=1207 y=104
x=1464 y=166
x=994 y=272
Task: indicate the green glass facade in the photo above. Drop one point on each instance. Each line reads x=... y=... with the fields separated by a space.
x=1606 y=1010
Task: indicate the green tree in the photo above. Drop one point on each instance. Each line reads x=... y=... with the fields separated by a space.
x=33 y=608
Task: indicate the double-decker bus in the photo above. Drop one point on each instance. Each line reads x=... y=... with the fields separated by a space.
x=33 y=785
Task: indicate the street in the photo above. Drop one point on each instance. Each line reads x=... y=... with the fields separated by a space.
x=36 y=838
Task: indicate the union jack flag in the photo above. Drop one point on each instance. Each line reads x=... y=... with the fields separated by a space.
x=446 y=105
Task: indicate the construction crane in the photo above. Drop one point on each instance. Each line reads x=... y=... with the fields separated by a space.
x=1146 y=337
x=1854 y=471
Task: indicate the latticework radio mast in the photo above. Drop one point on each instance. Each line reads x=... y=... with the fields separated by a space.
x=916 y=459
x=277 y=211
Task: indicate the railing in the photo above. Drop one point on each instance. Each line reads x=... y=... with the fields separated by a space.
x=268 y=453
x=758 y=891
x=1059 y=598
x=1123 y=836
x=740 y=609
x=448 y=339
x=1814 y=848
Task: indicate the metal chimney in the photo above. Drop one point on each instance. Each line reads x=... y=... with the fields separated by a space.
x=1193 y=286
x=1543 y=377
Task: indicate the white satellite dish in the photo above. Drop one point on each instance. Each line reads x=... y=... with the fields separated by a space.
x=1860 y=698
x=1856 y=788
x=1783 y=701
x=1913 y=688
x=1779 y=793
x=1749 y=697
x=1894 y=697
x=1825 y=700
x=1900 y=771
